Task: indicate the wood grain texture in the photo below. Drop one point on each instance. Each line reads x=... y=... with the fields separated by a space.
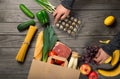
x=90 y=12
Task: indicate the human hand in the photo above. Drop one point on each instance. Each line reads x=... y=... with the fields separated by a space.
x=60 y=13
x=101 y=56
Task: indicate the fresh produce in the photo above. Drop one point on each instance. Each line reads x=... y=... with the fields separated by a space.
x=52 y=53
x=85 y=69
x=110 y=73
x=25 y=25
x=73 y=61
x=59 y=62
x=115 y=63
x=49 y=40
x=115 y=58
x=22 y=52
x=93 y=75
x=89 y=54
x=52 y=37
x=70 y=25
x=38 y=46
x=109 y=20
x=62 y=50
x=46 y=5
x=26 y=11
x=108 y=60
x=104 y=41
x=42 y=17
x=46 y=41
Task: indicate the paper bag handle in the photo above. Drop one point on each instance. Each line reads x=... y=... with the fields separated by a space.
x=58 y=58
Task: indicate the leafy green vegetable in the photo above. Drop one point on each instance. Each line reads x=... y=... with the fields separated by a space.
x=45 y=44
x=49 y=40
x=53 y=38
x=46 y=5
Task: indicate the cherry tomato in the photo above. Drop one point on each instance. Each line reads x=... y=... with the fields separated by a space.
x=52 y=61
x=52 y=53
x=59 y=62
x=63 y=64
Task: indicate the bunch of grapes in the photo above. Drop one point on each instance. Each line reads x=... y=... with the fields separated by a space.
x=89 y=54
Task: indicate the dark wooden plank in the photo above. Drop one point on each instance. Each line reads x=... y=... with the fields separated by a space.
x=91 y=16
x=81 y=41
x=14 y=5
x=11 y=29
x=96 y=4
x=10 y=68
x=90 y=19
x=79 y=4
x=87 y=29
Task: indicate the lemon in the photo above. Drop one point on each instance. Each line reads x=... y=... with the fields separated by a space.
x=109 y=20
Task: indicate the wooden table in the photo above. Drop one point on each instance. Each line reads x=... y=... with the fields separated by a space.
x=91 y=12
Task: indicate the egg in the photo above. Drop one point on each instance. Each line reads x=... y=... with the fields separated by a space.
x=109 y=20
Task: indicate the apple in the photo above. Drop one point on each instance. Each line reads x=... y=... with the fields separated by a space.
x=85 y=69
x=93 y=75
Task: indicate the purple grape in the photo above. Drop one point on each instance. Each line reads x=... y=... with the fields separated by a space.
x=89 y=54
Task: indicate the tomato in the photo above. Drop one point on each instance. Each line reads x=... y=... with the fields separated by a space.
x=52 y=61
x=63 y=64
x=59 y=62
x=52 y=53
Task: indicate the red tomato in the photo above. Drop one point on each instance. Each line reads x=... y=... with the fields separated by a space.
x=52 y=53
x=93 y=75
x=52 y=61
x=59 y=62
x=63 y=64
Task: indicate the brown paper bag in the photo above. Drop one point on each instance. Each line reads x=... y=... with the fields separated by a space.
x=43 y=70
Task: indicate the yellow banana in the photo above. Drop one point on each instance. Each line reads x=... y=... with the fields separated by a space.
x=110 y=73
x=108 y=60
x=114 y=61
x=116 y=56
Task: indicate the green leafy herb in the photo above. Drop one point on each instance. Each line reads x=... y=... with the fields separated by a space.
x=49 y=40
x=46 y=5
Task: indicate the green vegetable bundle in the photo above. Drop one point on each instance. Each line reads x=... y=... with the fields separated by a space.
x=49 y=40
x=46 y=5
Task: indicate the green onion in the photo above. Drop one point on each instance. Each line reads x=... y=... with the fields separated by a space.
x=46 y=5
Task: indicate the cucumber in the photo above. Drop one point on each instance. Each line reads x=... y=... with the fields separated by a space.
x=26 y=11
x=25 y=25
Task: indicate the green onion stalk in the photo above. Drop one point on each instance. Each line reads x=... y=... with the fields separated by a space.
x=46 y=5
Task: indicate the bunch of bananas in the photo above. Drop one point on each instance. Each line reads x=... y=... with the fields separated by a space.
x=114 y=61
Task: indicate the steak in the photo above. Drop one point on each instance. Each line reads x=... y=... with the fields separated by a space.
x=62 y=50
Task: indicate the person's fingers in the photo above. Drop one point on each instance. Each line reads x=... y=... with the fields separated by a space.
x=63 y=17
x=54 y=13
x=57 y=17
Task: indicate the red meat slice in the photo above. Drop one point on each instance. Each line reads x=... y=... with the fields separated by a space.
x=62 y=50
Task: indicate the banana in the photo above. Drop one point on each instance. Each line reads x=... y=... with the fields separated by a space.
x=110 y=73
x=116 y=56
x=114 y=62
x=108 y=60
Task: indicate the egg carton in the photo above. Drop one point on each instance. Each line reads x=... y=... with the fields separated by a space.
x=70 y=25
